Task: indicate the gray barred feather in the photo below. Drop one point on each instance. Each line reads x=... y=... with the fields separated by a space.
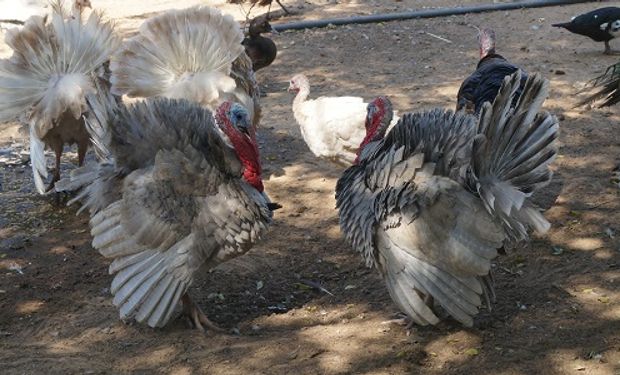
x=423 y=204
x=168 y=201
x=512 y=153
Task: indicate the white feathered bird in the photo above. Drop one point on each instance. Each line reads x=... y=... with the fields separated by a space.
x=177 y=194
x=194 y=54
x=332 y=127
x=430 y=203
x=56 y=62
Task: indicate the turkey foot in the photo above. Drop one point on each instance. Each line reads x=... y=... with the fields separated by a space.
x=197 y=317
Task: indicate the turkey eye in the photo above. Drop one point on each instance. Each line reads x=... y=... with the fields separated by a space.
x=239 y=117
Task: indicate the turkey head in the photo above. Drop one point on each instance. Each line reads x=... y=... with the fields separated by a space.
x=378 y=119
x=234 y=121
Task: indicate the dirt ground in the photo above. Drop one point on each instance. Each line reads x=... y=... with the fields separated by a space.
x=558 y=305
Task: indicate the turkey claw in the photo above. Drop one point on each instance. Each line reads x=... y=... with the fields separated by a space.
x=197 y=318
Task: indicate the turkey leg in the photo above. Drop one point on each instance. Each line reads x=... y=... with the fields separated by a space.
x=197 y=317
x=56 y=177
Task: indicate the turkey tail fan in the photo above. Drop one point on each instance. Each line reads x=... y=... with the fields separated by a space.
x=51 y=66
x=51 y=72
x=608 y=85
x=184 y=54
x=512 y=152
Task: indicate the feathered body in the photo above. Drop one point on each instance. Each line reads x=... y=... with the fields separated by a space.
x=430 y=203
x=332 y=127
x=484 y=83
x=194 y=54
x=261 y=50
x=600 y=25
x=56 y=62
x=176 y=195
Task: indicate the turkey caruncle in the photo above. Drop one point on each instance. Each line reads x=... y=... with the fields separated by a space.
x=176 y=193
x=430 y=203
x=600 y=25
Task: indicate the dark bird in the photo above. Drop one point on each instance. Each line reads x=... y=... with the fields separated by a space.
x=261 y=3
x=600 y=25
x=179 y=192
x=484 y=83
x=430 y=203
x=262 y=50
x=56 y=62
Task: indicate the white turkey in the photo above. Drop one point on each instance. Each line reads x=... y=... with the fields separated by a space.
x=429 y=204
x=56 y=62
x=332 y=127
x=178 y=194
x=194 y=54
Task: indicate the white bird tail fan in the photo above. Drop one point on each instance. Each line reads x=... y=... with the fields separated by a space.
x=184 y=54
x=512 y=153
x=51 y=67
x=51 y=71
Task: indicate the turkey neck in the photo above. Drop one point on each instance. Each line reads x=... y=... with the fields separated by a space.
x=302 y=95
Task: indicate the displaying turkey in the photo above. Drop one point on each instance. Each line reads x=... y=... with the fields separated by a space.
x=332 y=127
x=56 y=62
x=177 y=195
x=430 y=203
x=194 y=54
x=484 y=83
x=261 y=50
x=600 y=25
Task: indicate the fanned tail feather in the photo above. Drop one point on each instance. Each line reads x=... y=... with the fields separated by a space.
x=52 y=66
x=182 y=54
x=461 y=297
x=37 y=160
x=143 y=287
x=607 y=86
x=512 y=153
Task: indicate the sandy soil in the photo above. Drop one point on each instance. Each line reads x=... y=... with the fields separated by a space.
x=558 y=307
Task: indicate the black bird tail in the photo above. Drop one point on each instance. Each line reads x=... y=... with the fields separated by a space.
x=564 y=25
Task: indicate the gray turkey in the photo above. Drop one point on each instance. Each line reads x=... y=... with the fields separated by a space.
x=177 y=194
x=600 y=25
x=57 y=60
x=484 y=83
x=430 y=203
x=194 y=54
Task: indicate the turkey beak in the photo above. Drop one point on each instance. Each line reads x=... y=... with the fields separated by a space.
x=245 y=129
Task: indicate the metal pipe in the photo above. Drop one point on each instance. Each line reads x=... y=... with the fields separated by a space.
x=427 y=13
